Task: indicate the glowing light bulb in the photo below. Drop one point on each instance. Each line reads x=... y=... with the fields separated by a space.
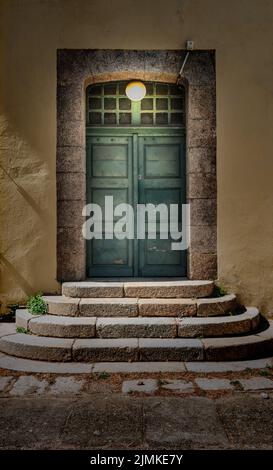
x=135 y=91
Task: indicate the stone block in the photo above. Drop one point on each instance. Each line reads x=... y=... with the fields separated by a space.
x=63 y=327
x=168 y=289
x=36 y=347
x=203 y=239
x=176 y=349
x=71 y=160
x=201 y=160
x=22 y=318
x=202 y=266
x=98 y=350
x=203 y=212
x=201 y=132
x=70 y=133
x=60 y=305
x=216 y=306
x=167 y=307
x=201 y=186
x=136 y=327
x=93 y=289
x=69 y=213
x=109 y=307
x=202 y=102
x=71 y=186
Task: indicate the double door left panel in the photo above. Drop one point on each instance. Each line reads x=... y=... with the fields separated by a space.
x=109 y=173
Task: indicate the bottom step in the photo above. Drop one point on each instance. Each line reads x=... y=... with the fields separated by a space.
x=143 y=349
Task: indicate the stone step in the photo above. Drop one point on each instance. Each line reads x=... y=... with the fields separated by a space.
x=57 y=326
x=137 y=327
x=143 y=349
x=219 y=326
x=147 y=289
x=131 y=307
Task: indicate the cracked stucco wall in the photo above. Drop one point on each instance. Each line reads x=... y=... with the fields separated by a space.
x=240 y=32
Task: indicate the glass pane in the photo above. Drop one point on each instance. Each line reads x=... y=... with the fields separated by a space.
x=110 y=118
x=95 y=118
x=147 y=103
x=161 y=89
x=96 y=90
x=174 y=90
x=147 y=118
x=161 y=118
x=122 y=87
x=161 y=103
x=176 y=103
x=110 y=89
x=95 y=103
x=125 y=118
x=124 y=103
x=177 y=118
x=149 y=88
x=109 y=103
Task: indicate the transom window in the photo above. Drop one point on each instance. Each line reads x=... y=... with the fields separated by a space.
x=108 y=105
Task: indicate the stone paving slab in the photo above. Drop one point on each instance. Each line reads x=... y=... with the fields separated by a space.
x=65 y=386
x=29 y=365
x=138 y=367
x=178 y=385
x=214 y=384
x=4 y=382
x=247 y=420
x=140 y=385
x=30 y=423
x=7 y=329
x=27 y=385
x=228 y=366
x=187 y=422
x=113 y=420
x=256 y=383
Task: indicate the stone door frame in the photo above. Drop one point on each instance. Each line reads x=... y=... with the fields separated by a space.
x=76 y=69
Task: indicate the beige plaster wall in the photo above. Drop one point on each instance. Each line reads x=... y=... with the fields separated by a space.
x=241 y=33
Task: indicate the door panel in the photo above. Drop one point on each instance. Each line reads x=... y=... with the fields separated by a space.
x=162 y=180
x=109 y=173
x=133 y=169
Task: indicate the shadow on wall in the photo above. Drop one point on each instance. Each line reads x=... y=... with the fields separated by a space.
x=20 y=280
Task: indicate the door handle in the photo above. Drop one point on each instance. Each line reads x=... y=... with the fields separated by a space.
x=139 y=177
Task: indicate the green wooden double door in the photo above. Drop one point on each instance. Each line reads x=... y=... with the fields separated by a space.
x=135 y=166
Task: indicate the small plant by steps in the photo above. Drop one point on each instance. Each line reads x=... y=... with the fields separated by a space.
x=36 y=304
x=20 y=329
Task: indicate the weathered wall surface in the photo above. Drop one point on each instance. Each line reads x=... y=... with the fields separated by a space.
x=240 y=32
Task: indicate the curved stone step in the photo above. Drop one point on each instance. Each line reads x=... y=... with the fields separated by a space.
x=37 y=347
x=147 y=289
x=168 y=289
x=131 y=307
x=216 y=306
x=144 y=349
x=57 y=326
x=219 y=326
x=240 y=347
x=137 y=327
